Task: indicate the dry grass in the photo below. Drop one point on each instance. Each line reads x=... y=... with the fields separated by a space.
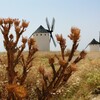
x=80 y=85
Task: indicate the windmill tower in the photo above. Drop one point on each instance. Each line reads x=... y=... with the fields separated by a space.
x=95 y=45
x=43 y=36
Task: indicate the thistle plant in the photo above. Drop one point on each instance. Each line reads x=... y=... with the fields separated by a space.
x=66 y=68
x=15 y=86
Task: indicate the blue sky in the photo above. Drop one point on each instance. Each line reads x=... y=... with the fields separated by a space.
x=84 y=14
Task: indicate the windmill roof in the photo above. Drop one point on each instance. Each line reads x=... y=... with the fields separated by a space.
x=41 y=29
x=94 y=42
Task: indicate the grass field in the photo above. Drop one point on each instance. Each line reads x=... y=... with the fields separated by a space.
x=81 y=85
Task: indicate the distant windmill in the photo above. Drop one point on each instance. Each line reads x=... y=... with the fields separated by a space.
x=44 y=36
x=94 y=45
x=50 y=29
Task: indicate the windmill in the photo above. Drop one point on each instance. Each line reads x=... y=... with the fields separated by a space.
x=44 y=36
x=51 y=29
x=94 y=45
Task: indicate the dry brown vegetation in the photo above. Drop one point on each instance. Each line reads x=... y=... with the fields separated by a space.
x=80 y=85
x=45 y=75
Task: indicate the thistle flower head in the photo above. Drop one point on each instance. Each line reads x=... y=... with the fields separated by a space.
x=34 y=48
x=41 y=70
x=31 y=41
x=59 y=37
x=61 y=40
x=75 y=31
x=83 y=54
x=20 y=91
x=17 y=29
x=16 y=22
x=11 y=36
x=75 y=34
x=11 y=20
x=25 y=24
x=73 y=67
x=51 y=60
x=6 y=20
x=24 y=40
x=5 y=29
x=62 y=62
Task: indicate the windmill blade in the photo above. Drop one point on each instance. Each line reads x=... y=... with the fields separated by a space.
x=48 y=25
x=53 y=23
x=52 y=39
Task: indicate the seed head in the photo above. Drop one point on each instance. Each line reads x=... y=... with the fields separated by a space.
x=41 y=70
x=75 y=34
x=61 y=40
x=17 y=29
x=59 y=37
x=10 y=20
x=11 y=36
x=73 y=67
x=25 y=24
x=16 y=22
x=62 y=62
x=51 y=60
x=31 y=41
x=6 y=20
x=24 y=39
x=83 y=54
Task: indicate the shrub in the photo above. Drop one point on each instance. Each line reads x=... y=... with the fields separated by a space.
x=15 y=86
x=52 y=82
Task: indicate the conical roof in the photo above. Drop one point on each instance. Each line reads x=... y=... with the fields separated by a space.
x=41 y=29
x=94 y=42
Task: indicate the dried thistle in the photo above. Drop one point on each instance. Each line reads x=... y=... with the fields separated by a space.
x=18 y=90
x=11 y=36
x=61 y=40
x=51 y=60
x=25 y=24
x=75 y=34
x=83 y=54
x=24 y=40
x=66 y=66
x=41 y=70
x=62 y=43
x=17 y=29
x=73 y=67
x=16 y=22
x=62 y=62
x=14 y=55
x=31 y=41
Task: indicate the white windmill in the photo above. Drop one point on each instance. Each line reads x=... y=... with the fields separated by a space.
x=94 y=45
x=43 y=36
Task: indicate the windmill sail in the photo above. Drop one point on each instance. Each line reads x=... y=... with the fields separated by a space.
x=47 y=22
x=53 y=23
x=51 y=30
x=53 y=40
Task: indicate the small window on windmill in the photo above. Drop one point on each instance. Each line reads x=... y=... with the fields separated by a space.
x=36 y=34
x=45 y=34
x=40 y=34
